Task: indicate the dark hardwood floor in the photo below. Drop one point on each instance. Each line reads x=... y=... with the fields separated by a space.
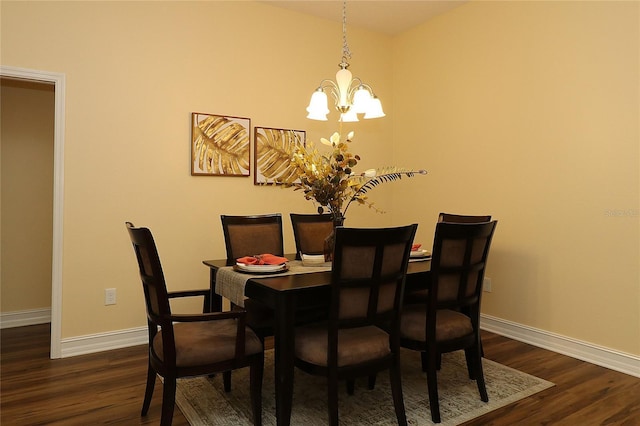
x=107 y=387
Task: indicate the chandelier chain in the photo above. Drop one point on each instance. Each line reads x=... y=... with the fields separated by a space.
x=346 y=53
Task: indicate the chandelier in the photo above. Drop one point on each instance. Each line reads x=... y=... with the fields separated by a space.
x=351 y=95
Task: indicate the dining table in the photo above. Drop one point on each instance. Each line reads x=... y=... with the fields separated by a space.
x=306 y=287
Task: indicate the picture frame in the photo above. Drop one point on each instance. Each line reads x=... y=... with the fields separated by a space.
x=272 y=153
x=220 y=145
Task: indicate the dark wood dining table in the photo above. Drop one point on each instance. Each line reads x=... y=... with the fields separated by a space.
x=286 y=295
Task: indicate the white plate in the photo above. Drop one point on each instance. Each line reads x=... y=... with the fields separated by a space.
x=420 y=253
x=419 y=259
x=261 y=268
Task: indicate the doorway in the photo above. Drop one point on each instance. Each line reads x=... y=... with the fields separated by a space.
x=58 y=82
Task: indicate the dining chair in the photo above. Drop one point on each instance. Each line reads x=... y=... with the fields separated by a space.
x=310 y=231
x=361 y=336
x=253 y=234
x=186 y=345
x=450 y=320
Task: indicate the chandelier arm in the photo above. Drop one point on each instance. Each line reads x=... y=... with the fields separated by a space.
x=356 y=80
x=366 y=86
x=353 y=88
x=335 y=93
x=331 y=87
x=328 y=84
x=334 y=90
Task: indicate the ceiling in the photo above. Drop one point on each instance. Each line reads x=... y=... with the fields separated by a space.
x=385 y=16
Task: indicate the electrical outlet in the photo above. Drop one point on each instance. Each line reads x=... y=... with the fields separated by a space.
x=109 y=296
x=486 y=285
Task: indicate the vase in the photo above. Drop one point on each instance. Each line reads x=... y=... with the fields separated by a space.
x=330 y=241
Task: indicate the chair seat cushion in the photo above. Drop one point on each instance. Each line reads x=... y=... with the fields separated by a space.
x=449 y=324
x=355 y=345
x=207 y=342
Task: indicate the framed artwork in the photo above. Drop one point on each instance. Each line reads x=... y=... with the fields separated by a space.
x=220 y=145
x=272 y=153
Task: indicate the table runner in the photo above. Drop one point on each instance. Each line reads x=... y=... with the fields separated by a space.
x=230 y=283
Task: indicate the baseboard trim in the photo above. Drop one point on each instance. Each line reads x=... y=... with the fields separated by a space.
x=24 y=318
x=92 y=343
x=604 y=357
x=598 y=355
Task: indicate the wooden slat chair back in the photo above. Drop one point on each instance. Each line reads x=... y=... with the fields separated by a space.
x=253 y=234
x=420 y=296
x=310 y=232
x=459 y=218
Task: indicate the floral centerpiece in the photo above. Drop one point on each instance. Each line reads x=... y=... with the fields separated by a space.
x=330 y=179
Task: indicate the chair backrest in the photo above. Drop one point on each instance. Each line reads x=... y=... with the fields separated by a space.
x=310 y=231
x=368 y=276
x=459 y=259
x=153 y=283
x=458 y=218
x=251 y=235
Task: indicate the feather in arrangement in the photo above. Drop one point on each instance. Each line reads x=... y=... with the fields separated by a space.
x=329 y=180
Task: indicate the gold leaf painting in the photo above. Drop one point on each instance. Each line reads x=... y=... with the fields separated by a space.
x=220 y=145
x=273 y=150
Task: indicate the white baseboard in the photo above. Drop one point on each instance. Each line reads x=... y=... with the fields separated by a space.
x=598 y=355
x=604 y=357
x=91 y=343
x=26 y=317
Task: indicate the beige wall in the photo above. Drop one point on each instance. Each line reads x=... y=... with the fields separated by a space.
x=134 y=73
x=527 y=111
x=26 y=114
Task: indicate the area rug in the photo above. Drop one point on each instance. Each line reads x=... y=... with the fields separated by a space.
x=203 y=401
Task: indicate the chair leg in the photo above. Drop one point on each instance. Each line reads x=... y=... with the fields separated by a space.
x=226 y=379
x=432 y=385
x=256 y=372
x=396 y=390
x=469 y=357
x=148 y=393
x=479 y=373
x=351 y=384
x=168 y=401
x=425 y=362
x=372 y=382
x=332 y=390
